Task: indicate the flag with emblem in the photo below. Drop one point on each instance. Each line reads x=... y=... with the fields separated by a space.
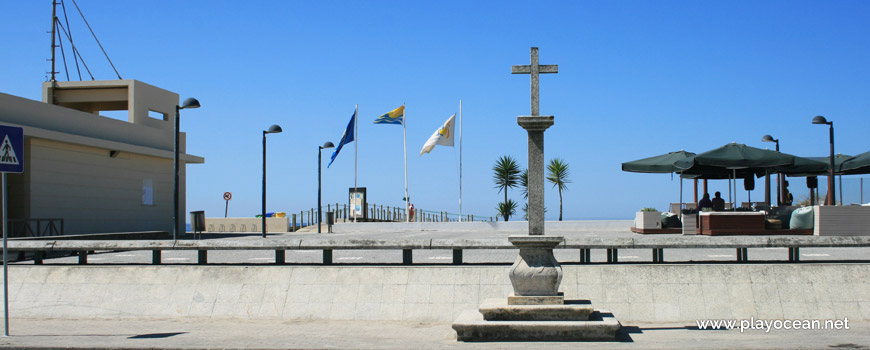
x=443 y=136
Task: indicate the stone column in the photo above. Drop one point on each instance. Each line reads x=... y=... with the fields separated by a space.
x=536 y=274
x=535 y=126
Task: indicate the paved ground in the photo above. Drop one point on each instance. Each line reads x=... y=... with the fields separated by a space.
x=235 y=334
x=601 y=228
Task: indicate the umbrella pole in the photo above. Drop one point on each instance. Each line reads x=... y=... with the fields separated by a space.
x=681 y=197
x=730 y=198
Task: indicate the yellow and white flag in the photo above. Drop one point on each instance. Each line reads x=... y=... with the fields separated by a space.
x=443 y=136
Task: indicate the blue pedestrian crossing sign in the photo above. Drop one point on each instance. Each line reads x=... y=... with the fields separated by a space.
x=11 y=149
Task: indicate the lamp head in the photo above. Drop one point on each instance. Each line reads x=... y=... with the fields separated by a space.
x=274 y=129
x=189 y=102
x=768 y=138
x=821 y=120
x=327 y=145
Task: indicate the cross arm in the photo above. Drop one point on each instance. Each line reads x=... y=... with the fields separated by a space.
x=544 y=68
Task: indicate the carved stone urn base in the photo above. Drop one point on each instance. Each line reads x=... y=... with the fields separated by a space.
x=536 y=273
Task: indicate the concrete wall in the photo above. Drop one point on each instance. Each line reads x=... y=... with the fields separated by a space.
x=500 y=226
x=647 y=293
x=247 y=224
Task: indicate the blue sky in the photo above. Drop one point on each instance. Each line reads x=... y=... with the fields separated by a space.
x=636 y=79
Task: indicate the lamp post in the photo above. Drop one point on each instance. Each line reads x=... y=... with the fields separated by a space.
x=189 y=102
x=832 y=198
x=274 y=129
x=319 y=152
x=768 y=138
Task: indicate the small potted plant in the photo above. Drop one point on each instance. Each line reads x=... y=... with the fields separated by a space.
x=648 y=218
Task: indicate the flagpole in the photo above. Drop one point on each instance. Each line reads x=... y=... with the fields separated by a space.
x=405 y=148
x=355 y=155
x=460 y=161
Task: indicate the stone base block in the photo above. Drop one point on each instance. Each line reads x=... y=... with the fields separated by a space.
x=470 y=327
x=573 y=310
x=536 y=300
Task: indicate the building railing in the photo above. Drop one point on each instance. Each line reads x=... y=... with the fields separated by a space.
x=407 y=246
x=35 y=227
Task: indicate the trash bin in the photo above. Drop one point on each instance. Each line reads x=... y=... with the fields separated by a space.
x=197 y=221
x=330 y=220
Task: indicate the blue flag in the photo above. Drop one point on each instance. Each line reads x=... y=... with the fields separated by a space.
x=346 y=138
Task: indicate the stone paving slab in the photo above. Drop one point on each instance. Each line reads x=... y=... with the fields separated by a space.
x=261 y=334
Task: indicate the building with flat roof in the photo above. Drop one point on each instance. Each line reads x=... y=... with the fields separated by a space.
x=96 y=173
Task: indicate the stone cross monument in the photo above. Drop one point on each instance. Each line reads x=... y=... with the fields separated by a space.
x=535 y=125
x=535 y=310
x=536 y=274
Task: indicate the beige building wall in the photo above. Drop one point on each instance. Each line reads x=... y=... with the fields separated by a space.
x=96 y=173
x=94 y=192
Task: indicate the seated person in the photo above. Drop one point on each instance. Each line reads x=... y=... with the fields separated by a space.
x=718 y=202
x=705 y=202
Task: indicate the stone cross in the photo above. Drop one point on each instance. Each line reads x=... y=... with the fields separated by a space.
x=534 y=69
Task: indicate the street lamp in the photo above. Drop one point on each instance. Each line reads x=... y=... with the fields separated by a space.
x=274 y=129
x=768 y=138
x=832 y=198
x=189 y=102
x=320 y=148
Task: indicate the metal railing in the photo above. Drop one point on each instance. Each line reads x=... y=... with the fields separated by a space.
x=35 y=227
x=407 y=246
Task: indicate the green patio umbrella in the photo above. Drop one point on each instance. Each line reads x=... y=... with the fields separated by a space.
x=662 y=164
x=737 y=156
x=732 y=158
x=856 y=165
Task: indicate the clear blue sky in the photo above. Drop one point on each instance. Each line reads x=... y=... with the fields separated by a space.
x=636 y=79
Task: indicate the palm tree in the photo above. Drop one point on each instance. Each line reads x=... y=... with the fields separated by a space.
x=557 y=174
x=524 y=183
x=507 y=209
x=506 y=175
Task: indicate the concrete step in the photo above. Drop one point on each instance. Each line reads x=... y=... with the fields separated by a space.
x=570 y=310
x=470 y=326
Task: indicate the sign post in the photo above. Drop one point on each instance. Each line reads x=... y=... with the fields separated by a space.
x=227 y=197
x=11 y=161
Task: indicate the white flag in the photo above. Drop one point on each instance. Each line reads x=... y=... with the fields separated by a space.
x=442 y=136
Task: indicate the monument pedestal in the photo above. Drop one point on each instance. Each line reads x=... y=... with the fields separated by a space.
x=536 y=310
x=498 y=321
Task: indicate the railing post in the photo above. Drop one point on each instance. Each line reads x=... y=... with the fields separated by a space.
x=407 y=257
x=327 y=256
x=156 y=256
x=585 y=255
x=293 y=218
x=794 y=254
x=742 y=254
x=612 y=255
